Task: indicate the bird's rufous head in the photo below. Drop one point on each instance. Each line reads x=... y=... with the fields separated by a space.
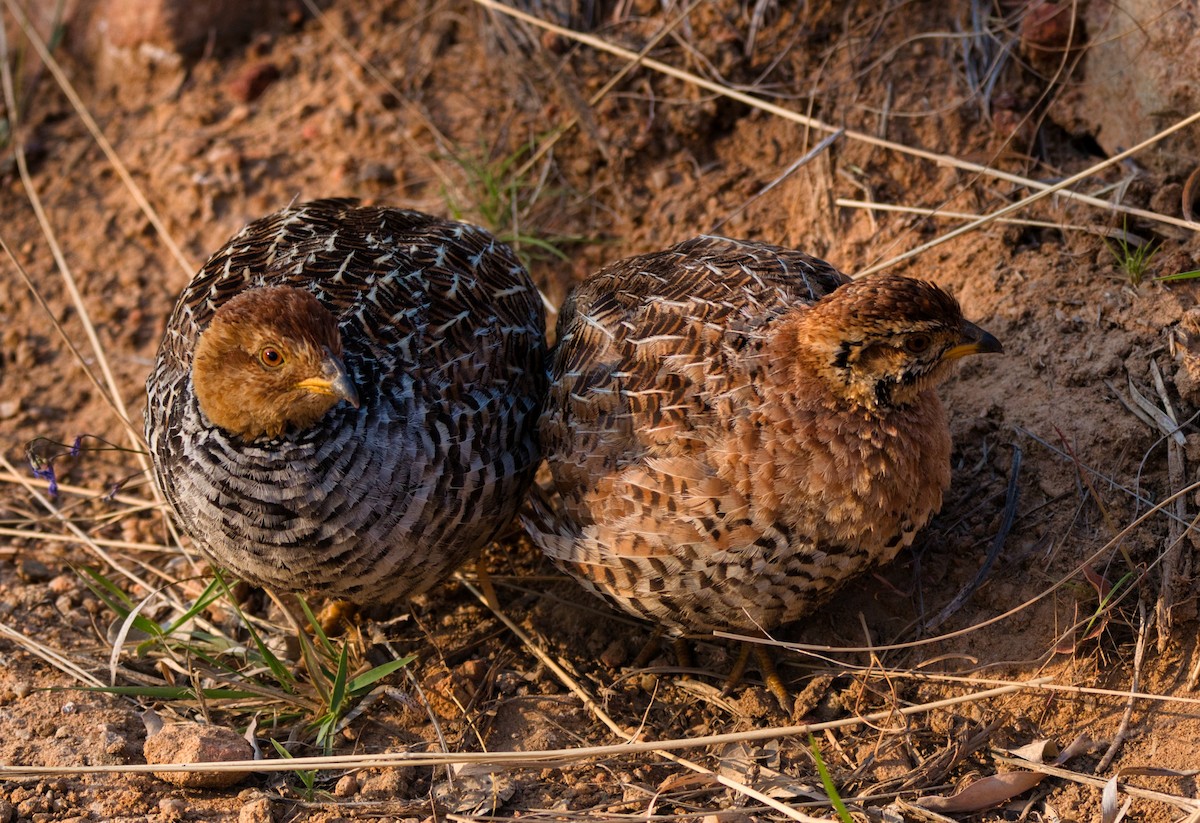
x=886 y=339
x=270 y=360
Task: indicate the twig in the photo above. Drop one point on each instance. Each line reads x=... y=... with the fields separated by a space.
x=50 y=656
x=1185 y=803
x=873 y=206
x=546 y=145
x=788 y=172
x=112 y=391
x=1176 y=476
x=1139 y=653
x=77 y=103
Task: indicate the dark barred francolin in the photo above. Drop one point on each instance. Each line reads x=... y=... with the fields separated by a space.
x=346 y=398
x=736 y=429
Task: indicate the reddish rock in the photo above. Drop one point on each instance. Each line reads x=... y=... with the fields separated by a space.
x=197 y=743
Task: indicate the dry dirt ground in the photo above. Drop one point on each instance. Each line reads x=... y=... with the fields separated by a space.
x=435 y=105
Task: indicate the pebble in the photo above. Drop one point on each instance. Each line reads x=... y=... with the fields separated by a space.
x=171 y=809
x=198 y=743
x=347 y=786
x=256 y=811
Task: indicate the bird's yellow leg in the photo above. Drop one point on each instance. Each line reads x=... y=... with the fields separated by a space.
x=649 y=650
x=766 y=667
x=738 y=671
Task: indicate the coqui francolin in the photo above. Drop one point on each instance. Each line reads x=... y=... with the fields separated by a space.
x=735 y=430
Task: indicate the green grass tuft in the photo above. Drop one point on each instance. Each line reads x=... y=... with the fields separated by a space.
x=1133 y=258
x=505 y=199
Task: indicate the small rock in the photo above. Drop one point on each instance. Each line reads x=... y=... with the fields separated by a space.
x=387 y=784
x=21 y=690
x=171 y=808
x=197 y=743
x=614 y=654
x=33 y=570
x=64 y=584
x=6 y=811
x=9 y=408
x=347 y=786
x=256 y=811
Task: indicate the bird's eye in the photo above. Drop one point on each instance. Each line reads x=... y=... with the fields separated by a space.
x=918 y=343
x=271 y=357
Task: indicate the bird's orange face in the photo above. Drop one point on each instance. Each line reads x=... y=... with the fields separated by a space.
x=886 y=340
x=270 y=360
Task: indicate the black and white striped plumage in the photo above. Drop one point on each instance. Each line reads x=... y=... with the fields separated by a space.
x=442 y=336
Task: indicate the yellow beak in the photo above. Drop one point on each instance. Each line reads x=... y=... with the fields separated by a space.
x=333 y=382
x=974 y=340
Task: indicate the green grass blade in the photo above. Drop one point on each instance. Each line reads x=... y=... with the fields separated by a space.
x=368 y=679
x=831 y=790
x=1182 y=275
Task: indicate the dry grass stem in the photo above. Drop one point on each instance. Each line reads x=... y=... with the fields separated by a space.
x=871 y=205
x=51 y=656
x=1139 y=654
x=546 y=145
x=81 y=491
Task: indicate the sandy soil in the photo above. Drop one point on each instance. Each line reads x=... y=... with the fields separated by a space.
x=453 y=96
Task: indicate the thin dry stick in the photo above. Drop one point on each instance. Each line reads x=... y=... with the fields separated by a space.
x=1045 y=192
x=66 y=488
x=872 y=206
x=545 y=758
x=54 y=537
x=571 y=683
x=862 y=137
x=1062 y=688
x=807 y=158
x=49 y=655
x=1139 y=653
x=77 y=103
x=87 y=540
x=110 y=396
x=1176 y=474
